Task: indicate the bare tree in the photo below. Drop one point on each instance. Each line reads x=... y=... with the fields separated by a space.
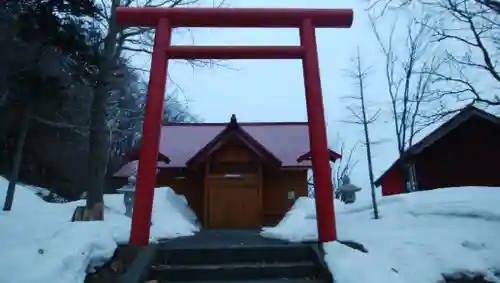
x=361 y=116
x=342 y=167
x=471 y=72
x=382 y=6
x=346 y=164
x=138 y=39
x=115 y=42
x=468 y=33
x=408 y=78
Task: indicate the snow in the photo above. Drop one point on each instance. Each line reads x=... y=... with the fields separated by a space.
x=420 y=237
x=40 y=244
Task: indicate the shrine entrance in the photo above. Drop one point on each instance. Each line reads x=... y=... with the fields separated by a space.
x=165 y=19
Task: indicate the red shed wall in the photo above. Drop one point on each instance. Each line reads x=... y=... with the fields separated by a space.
x=392 y=182
x=467 y=156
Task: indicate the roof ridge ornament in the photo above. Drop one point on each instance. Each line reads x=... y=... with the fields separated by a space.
x=233 y=123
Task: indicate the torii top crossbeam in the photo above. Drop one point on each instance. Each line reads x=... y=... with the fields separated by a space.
x=234 y=17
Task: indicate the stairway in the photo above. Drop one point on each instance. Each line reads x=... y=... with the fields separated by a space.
x=294 y=263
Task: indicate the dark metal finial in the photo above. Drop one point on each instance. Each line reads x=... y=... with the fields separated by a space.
x=233 y=123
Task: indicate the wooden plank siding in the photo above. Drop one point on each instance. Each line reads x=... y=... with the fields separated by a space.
x=191 y=186
x=257 y=198
x=277 y=184
x=233 y=201
x=467 y=156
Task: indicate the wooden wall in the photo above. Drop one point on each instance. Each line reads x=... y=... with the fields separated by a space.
x=233 y=202
x=191 y=187
x=393 y=182
x=467 y=156
x=275 y=192
x=271 y=186
x=233 y=151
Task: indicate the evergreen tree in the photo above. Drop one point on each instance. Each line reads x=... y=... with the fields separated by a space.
x=53 y=52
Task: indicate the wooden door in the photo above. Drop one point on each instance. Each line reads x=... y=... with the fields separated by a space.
x=233 y=202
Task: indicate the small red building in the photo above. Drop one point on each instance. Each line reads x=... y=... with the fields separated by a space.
x=464 y=151
x=234 y=175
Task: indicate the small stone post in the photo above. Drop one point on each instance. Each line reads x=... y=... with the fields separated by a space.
x=128 y=196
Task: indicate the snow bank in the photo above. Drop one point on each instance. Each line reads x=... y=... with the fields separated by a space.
x=419 y=238
x=298 y=225
x=39 y=244
x=172 y=217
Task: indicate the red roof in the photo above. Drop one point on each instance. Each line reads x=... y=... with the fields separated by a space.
x=233 y=129
x=287 y=141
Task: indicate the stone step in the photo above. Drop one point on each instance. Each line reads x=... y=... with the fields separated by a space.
x=235 y=271
x=267 y=254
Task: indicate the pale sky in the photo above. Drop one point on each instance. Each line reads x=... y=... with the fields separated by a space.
x=273 y=90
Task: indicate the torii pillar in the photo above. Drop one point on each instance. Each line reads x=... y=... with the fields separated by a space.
x=166 y=19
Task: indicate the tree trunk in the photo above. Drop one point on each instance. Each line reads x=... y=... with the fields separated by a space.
x=18 y=156
x=368 y=150
x=98 y=138
x=98 y=150
x=370 y=172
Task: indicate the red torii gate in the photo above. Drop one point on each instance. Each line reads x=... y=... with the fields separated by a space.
x=165 y=19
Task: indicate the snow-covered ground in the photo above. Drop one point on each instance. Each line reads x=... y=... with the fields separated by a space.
x=420 y=237
x=39 y=244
